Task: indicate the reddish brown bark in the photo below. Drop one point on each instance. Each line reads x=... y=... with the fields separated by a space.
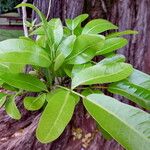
x=127 y=14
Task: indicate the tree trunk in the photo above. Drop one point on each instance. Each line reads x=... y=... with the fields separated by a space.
x=128 y=14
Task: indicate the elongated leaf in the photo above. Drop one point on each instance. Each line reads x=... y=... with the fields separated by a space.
x=102 y=73
x=111 y=45
x=2 y=99
x=72 y=24
x=126 y=124
x=136 y=88
x=105 y=134
x=112 y=59
x=55 y=29
x=21 y=51
x=98 y=26
x=24 y=81
x=13 y=68
x=85 y=48
x=56 y=116
x=12 y=109
x=77 y=68
x=34 y=103
x=64 y=50
x=117 y=34
x=41 y=15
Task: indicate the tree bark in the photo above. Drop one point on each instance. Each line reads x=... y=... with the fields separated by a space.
x=128 y=14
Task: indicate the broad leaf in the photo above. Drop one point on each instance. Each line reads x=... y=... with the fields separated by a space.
x=117 y=34
x=136 y=88
x=89 y=91
x=126 y=124
x=55 y=29
x=2 y=99
x=21 y=51
x=111 y=45
x=56 y=116
x=9 y=67
x=64 y=50
x=98 y=26
x=112 y=59
x=72 y=24
x=12 y=109
x=102 y=73
x=77 y=68
x=34 y=103
x=24 y=81
x=85 y=48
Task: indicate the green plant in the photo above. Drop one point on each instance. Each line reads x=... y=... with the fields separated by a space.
x=64 y=54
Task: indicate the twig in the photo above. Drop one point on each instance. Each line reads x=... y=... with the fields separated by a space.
x=49 y=9
x=24 y=18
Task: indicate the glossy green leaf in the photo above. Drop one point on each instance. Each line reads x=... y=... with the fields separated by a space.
x=56 y=116
x=55 y=29
x=111 y=45
x=2 y=99
x=21 y=51
x=136 y=88
x=41 y=15
x=24 y=81
x=72 y=24
x=98 y=26
x=85 y=48
x=113 y=59
x=9 y=87
x=64 y=50
x=34 y=103
x=117 y=34
x=105 y=134
x=12 y=109
x=77 y=68
x=102 y=73
x=89 y=91
x=126 y=124
x=9 y=67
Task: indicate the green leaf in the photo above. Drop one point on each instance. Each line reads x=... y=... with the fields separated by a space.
x=72 y=24
x=89 y=91
x=77 y=68
x=112 y=59
x=9 y=87
x=12 y=68
x=105 y=134
x=64 y=50
x=41 y=15
x=98 y=26
x=85 y=48
x=12 y=109
x=111 y=45
x=56 y=116
x=2 y=99
x=34 y=103
x=102 y=73
x=126 y=124
x=136 y=88
x=24 y=82
x=21 y=51
x=117 y=34
x=55 y=29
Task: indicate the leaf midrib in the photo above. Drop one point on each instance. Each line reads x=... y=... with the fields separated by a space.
x=130 y=127
x=59 y=114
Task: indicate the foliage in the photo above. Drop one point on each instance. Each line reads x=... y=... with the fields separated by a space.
x=61 y=54
x=8 y=5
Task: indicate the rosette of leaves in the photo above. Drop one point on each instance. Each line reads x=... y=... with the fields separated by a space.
x=65 y=53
